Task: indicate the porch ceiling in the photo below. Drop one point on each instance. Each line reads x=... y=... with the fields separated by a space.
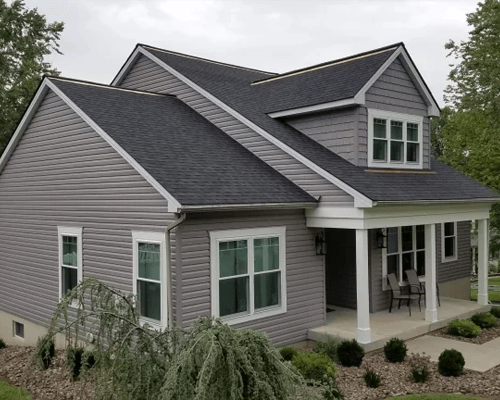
x=342 y=323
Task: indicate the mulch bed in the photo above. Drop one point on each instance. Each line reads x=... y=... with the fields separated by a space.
x=485 y=336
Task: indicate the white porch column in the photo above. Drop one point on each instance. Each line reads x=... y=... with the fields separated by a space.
x=431 y=312
x=363 y=334
x=482 y=263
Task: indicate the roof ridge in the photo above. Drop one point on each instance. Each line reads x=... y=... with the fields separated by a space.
x=207 y=60
x=103 y=85
x=330 y=63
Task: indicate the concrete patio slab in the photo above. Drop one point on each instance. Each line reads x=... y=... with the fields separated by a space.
x=477 y=357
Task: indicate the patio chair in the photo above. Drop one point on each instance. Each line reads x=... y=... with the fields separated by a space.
x=397 y=294
x=418 y=287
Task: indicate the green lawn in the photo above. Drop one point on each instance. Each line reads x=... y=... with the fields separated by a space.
x=435 y=397
x=8 y=392
x=494 y=281
x=493 y=296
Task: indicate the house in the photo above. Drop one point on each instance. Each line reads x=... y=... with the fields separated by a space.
x=212 y=189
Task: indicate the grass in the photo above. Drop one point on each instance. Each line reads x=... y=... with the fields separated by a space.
x=494 y=281
x=493 y=296
x=435 y=397
x=8 y=392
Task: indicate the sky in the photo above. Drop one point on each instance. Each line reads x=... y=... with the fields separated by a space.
x=270 y=35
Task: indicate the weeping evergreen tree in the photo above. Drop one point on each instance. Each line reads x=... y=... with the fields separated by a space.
x=133 y=361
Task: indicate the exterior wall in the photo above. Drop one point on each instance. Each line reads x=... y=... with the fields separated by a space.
x=304 y=271
x=147 y=75
x=63 y=173
x=340 y=266
x=336 y=130
x=394 y=91
x=452 y=276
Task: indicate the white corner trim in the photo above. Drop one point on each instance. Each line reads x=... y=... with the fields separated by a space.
x=173 y=204
x=360 y=199
x=247 y=234
x=318 y=107
x=28 y=115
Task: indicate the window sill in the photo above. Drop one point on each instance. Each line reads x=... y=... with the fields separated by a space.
x=258 y=315
x=156 y=325
x=449 y=259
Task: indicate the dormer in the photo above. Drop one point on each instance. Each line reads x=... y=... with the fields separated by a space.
x=372 y=109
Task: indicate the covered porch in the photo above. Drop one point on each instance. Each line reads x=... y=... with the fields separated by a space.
x=371 y=327
x=342 y=322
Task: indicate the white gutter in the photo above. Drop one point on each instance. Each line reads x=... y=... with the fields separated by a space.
x=235 y=207
x=484 y=200
x=174 y=224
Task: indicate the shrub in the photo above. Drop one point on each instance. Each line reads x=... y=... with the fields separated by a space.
x=316 y=366
x=288 y=353
x=420 y=375
x=463 y=327
x=484 y=320
x=74 y=357
x=420 y=367
x=88 y=360
x=350 y=353
x=330 y=390
x=495 y=311
x=451 y=363
x=372 y=379
x=328 y=347
x=2 y=344
x=45 y=350
x=395 y=350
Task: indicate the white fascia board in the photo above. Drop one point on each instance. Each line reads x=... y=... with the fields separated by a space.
x=360 y=199
x=126 y=67
x=316 y=108
x=28 y=115
x=173 y=204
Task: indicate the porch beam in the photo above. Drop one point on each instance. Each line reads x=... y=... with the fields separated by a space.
x=363 y=333
x=431 y=312
x=482 y=264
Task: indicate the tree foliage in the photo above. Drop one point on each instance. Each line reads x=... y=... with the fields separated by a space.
x=134 y=361
x=466 y=134
x=26 y=38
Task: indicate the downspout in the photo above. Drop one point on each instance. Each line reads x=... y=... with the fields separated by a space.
x=174 y=224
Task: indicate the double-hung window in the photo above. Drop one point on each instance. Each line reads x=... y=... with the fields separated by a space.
x=448 y=241
x=248 y=273
x=150 y=276
x=405 y=250
x=394 y=140
x=70 y=258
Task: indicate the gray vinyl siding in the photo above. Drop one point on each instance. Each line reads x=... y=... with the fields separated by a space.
x=446 y=272
x=304 y=271
x=336 y=130
x=395 y=91
x=63 y=173
x=147 y=75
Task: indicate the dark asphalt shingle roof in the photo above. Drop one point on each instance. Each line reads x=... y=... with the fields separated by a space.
x=232 y=85
x=190 y=157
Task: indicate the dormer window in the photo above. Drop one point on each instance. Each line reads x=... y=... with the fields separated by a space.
x=394 y=140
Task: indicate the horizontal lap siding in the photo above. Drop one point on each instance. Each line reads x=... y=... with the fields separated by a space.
x=63 y=173
x=146 y=75
x=450 y=271
x=336 y=130
x=395 y=91
x=304 y=271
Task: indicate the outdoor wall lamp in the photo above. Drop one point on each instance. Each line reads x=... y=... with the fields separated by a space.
x=381 y=239
x=320 y=244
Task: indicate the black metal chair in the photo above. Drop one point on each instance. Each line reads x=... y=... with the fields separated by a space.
x=397 y=294
x=418 y=287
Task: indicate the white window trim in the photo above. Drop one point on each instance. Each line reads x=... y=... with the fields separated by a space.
x=455 y=252
x=405 y=118
x=385 y=285
x=75 y=232
x=154 y=238
x=14 y=330
x=242 y=234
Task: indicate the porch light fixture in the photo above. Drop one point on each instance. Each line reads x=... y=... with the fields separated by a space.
x=381 y=239
x=320 y=244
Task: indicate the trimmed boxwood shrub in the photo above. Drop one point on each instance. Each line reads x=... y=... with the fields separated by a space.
x=328 y=347
x=484 y=320
x=463 y=327
x=2 y=344
x=288 y=353
x=495 y=311
x=395 y=350
x=451 y=363
x=314 y=366
x=350 y=353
